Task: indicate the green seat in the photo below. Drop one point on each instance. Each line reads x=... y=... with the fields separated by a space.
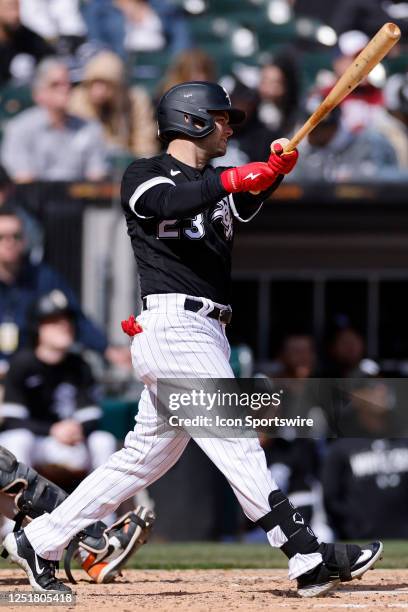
x=396 y=64
x=270 y=35
x=230 y=7
x=118 y=416
x=13 y=100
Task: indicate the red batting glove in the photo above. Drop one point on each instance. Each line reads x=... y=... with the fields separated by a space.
x=282 y=164
x=131 y=327
x=251 y=177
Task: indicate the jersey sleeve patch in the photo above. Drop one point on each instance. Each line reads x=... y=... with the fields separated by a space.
x=141 y=189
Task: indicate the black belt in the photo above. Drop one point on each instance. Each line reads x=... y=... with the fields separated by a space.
x=223 y=315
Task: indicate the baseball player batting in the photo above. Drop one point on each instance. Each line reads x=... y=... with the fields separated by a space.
x=180 y=215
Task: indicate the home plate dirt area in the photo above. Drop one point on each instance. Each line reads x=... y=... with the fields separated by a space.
x=219 y=590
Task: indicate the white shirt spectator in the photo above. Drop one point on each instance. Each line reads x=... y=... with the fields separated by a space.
x=53 y=18
x=144 y=28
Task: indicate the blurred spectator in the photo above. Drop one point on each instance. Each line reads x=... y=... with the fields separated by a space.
x=296 y=362
x=50 y=413
x=45 y=142
x=21 y=282
x=20 y=48
x=57 y=20
x=192 y=65
x=369 y=15
x=279 y=90
x=346 y=353
x=143 y=26
x=393 y=123
x=365 y=479
x=175 y=25
x=105 y=23
x=294 y=462
x=250 y=140
x=363 y=105
x=271 y=111
x=32 y=228
x=125 y=114
x=297 y=357
x=332 y=153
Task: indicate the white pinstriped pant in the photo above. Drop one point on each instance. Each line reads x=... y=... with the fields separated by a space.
x=175 y=343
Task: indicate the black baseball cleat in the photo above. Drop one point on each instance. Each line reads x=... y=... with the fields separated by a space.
x=40 y=572
x=341 y=563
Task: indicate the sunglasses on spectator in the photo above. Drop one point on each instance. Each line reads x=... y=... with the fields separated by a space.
x=56 y=84
x=16 y=236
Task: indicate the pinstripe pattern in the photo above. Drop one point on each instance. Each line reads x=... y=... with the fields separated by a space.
x=174 y=344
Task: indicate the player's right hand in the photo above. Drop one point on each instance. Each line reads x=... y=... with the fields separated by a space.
x=280 y=162
x=256 y=176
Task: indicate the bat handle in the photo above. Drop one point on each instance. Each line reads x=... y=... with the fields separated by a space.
x=288 y=148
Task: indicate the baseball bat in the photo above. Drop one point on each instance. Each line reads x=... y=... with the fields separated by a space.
x=375 y=50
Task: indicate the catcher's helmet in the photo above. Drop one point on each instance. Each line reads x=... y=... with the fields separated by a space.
x=184 y=109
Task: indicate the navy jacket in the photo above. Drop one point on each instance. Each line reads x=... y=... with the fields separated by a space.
x=33 y=281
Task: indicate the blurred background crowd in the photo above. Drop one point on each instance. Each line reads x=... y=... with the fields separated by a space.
x=314 y=294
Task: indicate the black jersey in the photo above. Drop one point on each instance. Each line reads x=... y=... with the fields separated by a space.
x=365 y=485
x=181 y=224
x=38 y=394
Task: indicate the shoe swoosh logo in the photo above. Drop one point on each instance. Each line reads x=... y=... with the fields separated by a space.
x=37 y=567
x=365 y=556
x=174 y=172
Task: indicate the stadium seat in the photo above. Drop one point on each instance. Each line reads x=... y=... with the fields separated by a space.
x=118 y=416
x=14 y=99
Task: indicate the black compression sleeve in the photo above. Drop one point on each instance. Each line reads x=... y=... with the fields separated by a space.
x=180 y=201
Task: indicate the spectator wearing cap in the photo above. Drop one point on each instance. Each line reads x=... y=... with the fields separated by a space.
x=20 y=47
x=50 y=413
x=332 y=153
x=126 y=114
x=22 y=282
x=46 y=142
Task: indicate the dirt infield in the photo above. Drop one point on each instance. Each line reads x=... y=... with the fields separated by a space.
x=222 y=590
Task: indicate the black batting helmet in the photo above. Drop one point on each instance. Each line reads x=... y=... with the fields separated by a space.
x=184 y=109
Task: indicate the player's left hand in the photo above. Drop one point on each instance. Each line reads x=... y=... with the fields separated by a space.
x=282 y=163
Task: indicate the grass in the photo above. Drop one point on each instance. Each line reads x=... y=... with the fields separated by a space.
x=211 y=555
x=207 y=555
